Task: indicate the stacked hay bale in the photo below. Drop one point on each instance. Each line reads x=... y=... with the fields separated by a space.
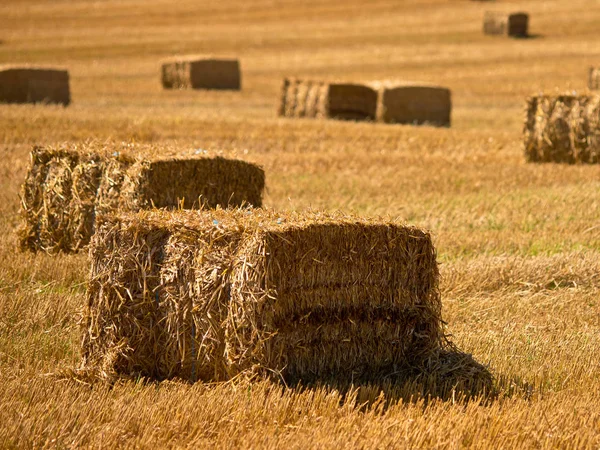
x=200 y=72
x=594 y=78
x=413 y=103
x=22 y=84
x=66 y=188
x=513 y=24
x=562 y=128
x=207 y=295
x=319 y=99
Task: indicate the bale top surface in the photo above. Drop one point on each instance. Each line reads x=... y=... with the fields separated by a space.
x=130 y=152
x=6 y=67
x=198 y=57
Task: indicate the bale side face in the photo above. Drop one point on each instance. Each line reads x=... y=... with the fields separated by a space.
x=233 y=291
x=564 y=128
x=518 y=25
x=216 y=74
x=29 y=85
x=65 y=190
x=594 y=78
x=415 y=105
x=334 y=300
x=351 y=102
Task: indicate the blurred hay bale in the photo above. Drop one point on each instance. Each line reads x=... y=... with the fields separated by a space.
x=23 y=84
x=320 y=99
x=562 y=128
x=207 y=295
x=508 y=24
x=594 y=78
x=413 y=103
x=66 y=188
x=200 y=72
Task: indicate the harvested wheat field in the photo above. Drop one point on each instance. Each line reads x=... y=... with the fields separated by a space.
x=66 y=187
x=518 y=244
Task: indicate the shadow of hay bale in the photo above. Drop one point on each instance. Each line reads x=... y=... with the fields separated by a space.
x=447 y=375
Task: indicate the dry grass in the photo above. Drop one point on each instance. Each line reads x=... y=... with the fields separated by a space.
x=519 y=243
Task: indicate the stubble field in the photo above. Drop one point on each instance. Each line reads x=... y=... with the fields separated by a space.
x=518 y=244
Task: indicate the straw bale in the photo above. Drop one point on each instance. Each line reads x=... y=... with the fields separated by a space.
x=208 y=295
x=594 y=78
x=24 y=84
x=66 y=188
x=414 y=103
x=320 y=99
x=201 y=72
x=508 y=24
x=562 y=128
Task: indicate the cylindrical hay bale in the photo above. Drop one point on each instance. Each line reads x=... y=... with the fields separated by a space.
x=508 y=24
x=65 y=189
x=34 y=85
x=201 y=72
x=562 y=128
x=318 y=99
x=413 y=103
x=594 y=78
x=217 y=293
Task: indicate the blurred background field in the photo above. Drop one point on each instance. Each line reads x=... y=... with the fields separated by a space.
x=518 y=243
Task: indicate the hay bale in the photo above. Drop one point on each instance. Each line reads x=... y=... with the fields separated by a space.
x=562 y=128
x=594 y=78
x=508 y=24
x=207 y=295
x=66 y=188
x=200 y=72
x=413 y=103
x=22 y=84
x=320 y=99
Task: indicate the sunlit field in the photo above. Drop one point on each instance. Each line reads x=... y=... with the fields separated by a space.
x=518 y=244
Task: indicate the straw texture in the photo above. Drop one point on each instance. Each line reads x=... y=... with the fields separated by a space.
x=562 y=128
x=200 y=72
x=209 y=295
x=66 y=188
x=23 y=84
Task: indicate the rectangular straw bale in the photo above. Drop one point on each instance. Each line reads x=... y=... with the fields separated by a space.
x=66 y=188
x=413 y=103
x=594 y=78
x=562 y=128
x=508 y=24
x=207 y=295
x=201 y=72
x=320 y=99
x=23 y=84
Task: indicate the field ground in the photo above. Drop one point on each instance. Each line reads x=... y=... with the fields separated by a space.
x=518 y=244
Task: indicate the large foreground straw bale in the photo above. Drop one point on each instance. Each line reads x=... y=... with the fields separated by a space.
x=498 y=23
x=414 y=103
x=207 y=295
x=562 y=128
x=66 y=188
x=22 y=84
x=594 y=78
x=200 y=72
x=319 y=99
